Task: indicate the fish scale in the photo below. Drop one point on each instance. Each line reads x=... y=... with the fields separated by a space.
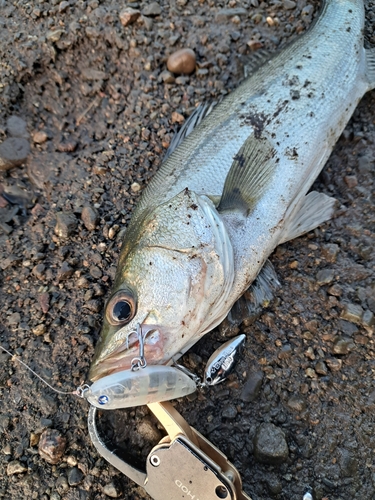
x=295 y=106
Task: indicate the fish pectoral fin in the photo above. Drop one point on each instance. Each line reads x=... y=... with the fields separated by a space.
x=258 y=296
x=314 y=209
x=370 y=67
x=249 y=175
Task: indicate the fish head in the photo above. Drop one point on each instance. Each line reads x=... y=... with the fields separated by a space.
x=168 y=282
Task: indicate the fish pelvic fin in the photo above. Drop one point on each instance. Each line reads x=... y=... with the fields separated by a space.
x=249 y=175
x=370 y=67
x=314 y=209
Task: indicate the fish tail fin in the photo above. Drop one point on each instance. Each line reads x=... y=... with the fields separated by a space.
x=370 y=67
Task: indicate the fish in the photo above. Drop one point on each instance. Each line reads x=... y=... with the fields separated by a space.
x=235 y=186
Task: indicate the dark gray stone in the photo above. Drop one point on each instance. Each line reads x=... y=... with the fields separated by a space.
x=75 y=476
x=252 y=387
x=13 y=152
x=270 y=446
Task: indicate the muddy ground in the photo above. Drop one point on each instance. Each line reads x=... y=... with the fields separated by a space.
x=99 y=116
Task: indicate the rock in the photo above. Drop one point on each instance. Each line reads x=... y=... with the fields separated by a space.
x=34 y=439
x=252 y=386
x=352 y=313
x=335 y=290
x=62 y=484
x=152 y=10
x=289 y=4
x=16 y=127
x=13 y=152
x=40 y=137
x=15 y=467
x=52 y=446
x=111 y=490
x=321 y=368
x=39 y=330
x=325 y=276
x=285 y=352
x=351 y=181
x=177 y=118
x=75 y=476
x=135 y=187
x=129 y=16
x=270 y=446
x=334 y=364
x=90 y=217
x=54 y=35
x=167 y=77
x=274 y=484
x=225 y=14
x=149 y=431
x=368 y=318
x=296 y=403
x=342 y=345
x=95 y=272
x=229 y=412
x=182 y=62
x=330 y=252
x=64 y=272
x=66 y=224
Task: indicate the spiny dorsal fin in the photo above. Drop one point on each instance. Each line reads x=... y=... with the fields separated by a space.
x=370 y=66
x=252 y=62
x=251 y=170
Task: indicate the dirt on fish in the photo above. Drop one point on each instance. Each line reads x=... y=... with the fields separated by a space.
x=98 y=107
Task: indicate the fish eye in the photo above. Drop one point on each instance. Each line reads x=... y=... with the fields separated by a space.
x=121 y=308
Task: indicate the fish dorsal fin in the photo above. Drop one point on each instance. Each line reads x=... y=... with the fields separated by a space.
x=249 y=175
x=256 y=59
x=370 y=66
x=190 y=124
x=314 y=209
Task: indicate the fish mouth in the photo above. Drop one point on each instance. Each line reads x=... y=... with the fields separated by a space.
x=124 y=356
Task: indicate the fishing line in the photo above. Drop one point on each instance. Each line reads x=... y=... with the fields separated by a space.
x=78 y=392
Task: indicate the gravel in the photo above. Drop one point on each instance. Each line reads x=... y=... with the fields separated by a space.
x=108 y=107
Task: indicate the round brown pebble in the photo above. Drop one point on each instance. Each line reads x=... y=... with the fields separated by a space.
x=52 y=446
x=13 y=152
x=181 y=62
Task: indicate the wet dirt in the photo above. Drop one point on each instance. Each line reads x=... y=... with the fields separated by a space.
x=99 y=116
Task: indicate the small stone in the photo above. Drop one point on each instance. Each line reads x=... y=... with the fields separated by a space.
x=274 y=484
x=135 y=187
x=39 y=330
x=149 y=431
x=129 y=16
x=270 y=446
x=63 y=6
x=285 y=352
x=352 y=312
x=289 y=4
x=66 y=224
x=52 y=446
x=38 y=271
x=17 y=127
x=54 y=35
x=90 y=217
x=252 y=386
x=34 y=439
x=368 y=318
x=13 y=152
x=167 y=77
x=335 y=290
x=152 y=10
x=71 y=461
x=330 y=252
x=342 y=345
x=229 y=412
x=334 y=364
x=325 y=276
x=75 y=476
x=321 y=368
x=182 y=62
x=177 y=117
x=95 y=272
x=111 y=490
x=296 y=403
x=62 y=484
x=40 y=137
x=43 y=300
x=64 y=272
x=224 y=14
x=351 y=181
x=15 y=467
x=310 y=372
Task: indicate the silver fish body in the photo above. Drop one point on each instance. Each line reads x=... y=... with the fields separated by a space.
x=186 y=261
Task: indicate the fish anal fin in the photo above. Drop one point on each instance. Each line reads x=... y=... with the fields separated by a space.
x=249 y=175
x=251 y=304
x=370 y=67
x=314 y=209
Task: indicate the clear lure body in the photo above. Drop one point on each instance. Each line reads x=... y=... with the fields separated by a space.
x=128 y=388
x=223 y=360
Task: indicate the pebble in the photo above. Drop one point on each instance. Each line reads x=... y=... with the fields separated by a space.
x=182 y=62
x=135 y=187
x=17 y=127
x=325 y=276
x=368 y=318
x=152 y=10
x=334 y=364
x=54 y=35
x=40 y=137
x=62 y=484
x=15 y=467
x=330 y=252
x=64 y=272
x=342 y=345
x=335 y=290
x=149 y=431
x=66 y=224
x=167 y=77
x=13 y=152
x=38 y=271
x=52 y=446
x=351 y=181
x=177 y=118
x=39 y=330
x=225 y=14
x=34 y=439
x=289 y=4
x=75 y=476
x=270 y=446
x=229 y=412
x=352 y=312
x=90 y=217
x=296 y=403
x=252 y=386
x=321 y=368
x=129 y=16
x=111 y=490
